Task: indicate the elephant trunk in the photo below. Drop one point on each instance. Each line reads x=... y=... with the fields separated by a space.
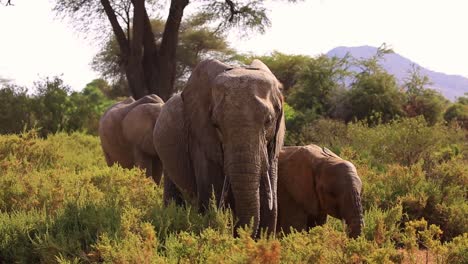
x=354 y=219
x=243 y=169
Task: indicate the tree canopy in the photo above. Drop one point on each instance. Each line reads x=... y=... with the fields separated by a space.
x=150 y=65
x=458 y=112
x=197 y=41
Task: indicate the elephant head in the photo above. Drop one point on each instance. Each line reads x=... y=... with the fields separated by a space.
x=339 y=192
x=235 y=124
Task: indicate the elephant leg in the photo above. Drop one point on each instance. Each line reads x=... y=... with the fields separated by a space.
x=143 y=161
x=157 y=169
x=172 y=145
x=290 y=213
x=109 y=161
x=316 y=220
x=209 y=182
x=171 y=193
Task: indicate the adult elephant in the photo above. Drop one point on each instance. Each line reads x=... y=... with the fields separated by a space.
x=126 y=133
x=225 y=129
x=314 y=182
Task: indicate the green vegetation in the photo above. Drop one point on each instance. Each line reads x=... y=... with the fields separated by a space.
x=52 y=107
x=60 y=203
x=355 y=90
x=148 y=61
x=458 y=112
x=196 y=42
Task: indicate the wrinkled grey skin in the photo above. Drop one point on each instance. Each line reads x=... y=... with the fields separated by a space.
x=227 y=124
x=313 y=183
x=126 y=133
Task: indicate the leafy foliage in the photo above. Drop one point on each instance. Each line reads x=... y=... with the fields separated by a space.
x=14 y=110
x=59 y=202
x=374 y=92
x=286 y=68
x=421 y=100
x=53 y=107
x=149 y=65
x=458 y=112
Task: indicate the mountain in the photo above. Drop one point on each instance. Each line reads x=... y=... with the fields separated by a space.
x=451 y=86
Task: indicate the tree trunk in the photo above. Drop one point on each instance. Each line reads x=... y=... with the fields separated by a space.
x=148 y=70
x=135 y=74
x=167 y=52
x=150 y=57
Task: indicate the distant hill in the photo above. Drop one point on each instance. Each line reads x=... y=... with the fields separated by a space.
x=451 y=86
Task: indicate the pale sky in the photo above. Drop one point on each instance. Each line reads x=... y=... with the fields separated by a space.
x=432 y=33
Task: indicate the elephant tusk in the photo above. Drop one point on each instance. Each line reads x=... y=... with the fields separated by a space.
x=224 y=193
x=270 y=191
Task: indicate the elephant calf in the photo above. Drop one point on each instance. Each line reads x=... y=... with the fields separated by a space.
x=313 y=183
x=126 y=133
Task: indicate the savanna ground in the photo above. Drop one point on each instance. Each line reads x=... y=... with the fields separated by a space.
x=60 y=203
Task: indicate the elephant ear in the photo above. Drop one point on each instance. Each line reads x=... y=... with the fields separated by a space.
x=277 y=98
x=260 y=65
x=198 y=103
x=277 y=143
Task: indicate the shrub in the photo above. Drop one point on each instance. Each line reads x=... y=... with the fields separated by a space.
x=16 y=231
x=60 y=202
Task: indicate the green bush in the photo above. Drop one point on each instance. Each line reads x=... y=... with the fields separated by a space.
x=16 y=232
x=52 y=107
x=15 y=114
x=60 y=203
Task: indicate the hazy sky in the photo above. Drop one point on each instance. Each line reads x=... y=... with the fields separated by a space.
x=433 y=33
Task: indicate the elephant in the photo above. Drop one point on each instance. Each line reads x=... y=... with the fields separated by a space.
x=126 y=133
x=313 y=182
x=222 y=135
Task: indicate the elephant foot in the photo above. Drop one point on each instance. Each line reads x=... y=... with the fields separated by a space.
x=157 y=170
x=316 y=220
x=171 y=193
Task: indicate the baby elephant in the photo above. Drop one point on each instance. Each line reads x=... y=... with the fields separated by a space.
x=314 y=182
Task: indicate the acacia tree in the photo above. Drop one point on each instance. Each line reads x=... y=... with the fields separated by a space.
x=196 y=42
x=374 y=94
x=150 y=66
x=421 y=100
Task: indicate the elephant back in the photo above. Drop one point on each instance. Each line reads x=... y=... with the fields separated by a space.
x=110 y=132
x=138 y=124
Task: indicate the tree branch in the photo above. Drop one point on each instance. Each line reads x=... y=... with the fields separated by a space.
x=119 y=33
x=232 y=8
x=138 y=27
x=167 y=51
